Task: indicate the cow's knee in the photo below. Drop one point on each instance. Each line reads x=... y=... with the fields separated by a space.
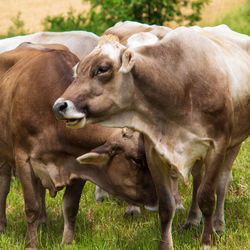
x=33 y=213
x=206 y=200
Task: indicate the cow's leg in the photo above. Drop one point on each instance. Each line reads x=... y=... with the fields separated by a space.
x=161 y=175
x=43 y=216
x=206 y=193
x=175 y=190
x=100 y=194
x=222 y=186
x=194 y=214
x=71 y=201
x=5 y=178
x=32 y=199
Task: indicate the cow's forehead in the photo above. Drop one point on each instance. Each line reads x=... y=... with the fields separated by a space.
x=112 y=50
x=109 y=45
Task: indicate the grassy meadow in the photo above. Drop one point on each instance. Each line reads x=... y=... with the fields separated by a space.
x=102 y=226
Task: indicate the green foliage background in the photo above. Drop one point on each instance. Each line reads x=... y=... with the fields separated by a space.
x=237 y=19
x=104 y=14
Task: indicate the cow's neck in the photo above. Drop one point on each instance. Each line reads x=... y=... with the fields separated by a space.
x=179 y=146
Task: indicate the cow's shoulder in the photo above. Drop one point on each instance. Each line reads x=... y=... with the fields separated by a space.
x=42 y=47
x=10 y=58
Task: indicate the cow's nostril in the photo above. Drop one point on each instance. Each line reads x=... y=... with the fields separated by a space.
x=63 y=106
x=59 y=109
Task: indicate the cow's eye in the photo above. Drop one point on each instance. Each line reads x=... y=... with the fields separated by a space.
x=137 y=161
x=102 y=69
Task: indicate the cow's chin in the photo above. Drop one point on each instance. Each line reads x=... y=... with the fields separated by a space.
x=77 y=123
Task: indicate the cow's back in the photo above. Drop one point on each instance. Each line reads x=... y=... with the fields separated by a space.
x=80 y=43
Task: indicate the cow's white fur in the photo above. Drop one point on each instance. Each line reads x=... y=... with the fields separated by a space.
x=79 y=42
x=130 y=24
x=153 y=209
x=141 y=39
x=72 y=113
x=112 y=50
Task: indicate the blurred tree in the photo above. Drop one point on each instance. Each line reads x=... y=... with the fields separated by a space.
x=105 y=13
x=62 y=23
x=18 y=26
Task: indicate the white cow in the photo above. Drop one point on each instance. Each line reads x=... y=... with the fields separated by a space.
x=79 y=42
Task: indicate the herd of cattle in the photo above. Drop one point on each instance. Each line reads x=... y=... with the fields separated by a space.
x=176 y=101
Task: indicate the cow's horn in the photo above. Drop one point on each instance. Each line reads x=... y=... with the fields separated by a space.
x=93 y=158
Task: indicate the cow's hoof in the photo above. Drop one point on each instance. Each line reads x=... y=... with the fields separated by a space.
x=34 y=247
x=219 y=226
x=100 y=199
x=131 y=212
x=164 y=246
x=100 y=194
x=68 y=236
x=208 y=240
x=180 y=207
x=187 y=226
x=191 y=224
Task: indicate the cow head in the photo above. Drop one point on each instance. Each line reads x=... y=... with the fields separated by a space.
x=119 y=166
x=106 y=70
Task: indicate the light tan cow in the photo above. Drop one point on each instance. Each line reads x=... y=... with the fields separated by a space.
x=188 y=93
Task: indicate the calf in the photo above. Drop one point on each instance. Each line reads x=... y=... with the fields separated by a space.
x=43 y=151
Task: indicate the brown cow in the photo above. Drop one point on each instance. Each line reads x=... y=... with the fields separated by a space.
x=188 y=93
x=43 y=151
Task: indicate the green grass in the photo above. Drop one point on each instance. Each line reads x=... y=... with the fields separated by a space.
x=102 y=226
x=237 y=19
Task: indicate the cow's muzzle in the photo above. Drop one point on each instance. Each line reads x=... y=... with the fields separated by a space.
x=65 y=110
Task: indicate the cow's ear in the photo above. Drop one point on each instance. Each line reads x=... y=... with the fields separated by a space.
x=93 y=158
x=74 y=70
x=128 y=61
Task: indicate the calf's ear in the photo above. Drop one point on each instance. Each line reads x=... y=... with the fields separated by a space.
x=93 y=158
x=128 y=61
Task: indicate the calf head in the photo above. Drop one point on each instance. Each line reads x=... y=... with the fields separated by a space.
x=103 y=85
x=121 y=169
